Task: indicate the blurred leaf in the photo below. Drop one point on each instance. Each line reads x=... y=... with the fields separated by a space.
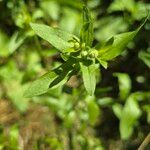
x=58 y=38
x=93 y=110
x=117 y=109
x=105 y=101
x=129 y=117
x=108 y=27
x=4 y=42
x=70 y=20
x=51 y=8
x=121 y=5
x=137 y=9
x=145 y=56
x=69 y=119
x=14 y=135
x=15 y=42
x=124 y=84
x=140 y=96
x=8 y=46
x=147 y=109
x=12 y=78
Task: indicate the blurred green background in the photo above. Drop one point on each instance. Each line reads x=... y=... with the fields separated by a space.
x=66 y=118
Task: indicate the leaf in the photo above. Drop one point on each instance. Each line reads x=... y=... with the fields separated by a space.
x=52 y=79
x=93 y=110
x=124 y=84
x=15 y=42
x=58 y=38
x=117 y=109
x=105 y=101
x=41 y=85
x=108 y=27
x=89 y=76
x=147 y=109
x=86 y=33
x=120 y=42
x=103 y=63
x=51 y=8
x=130 y=115
x=145 y=56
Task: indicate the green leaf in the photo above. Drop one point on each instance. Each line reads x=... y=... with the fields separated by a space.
x=67 y=71
x=103 y=63
x=15 y=42
x=52 y=79
x=105 y=101
x=58 y=38
x=86 y=34
x=117 y=109
x=130 y=115
x=93 y=110
x=89 y=76
x=41 y=85
x=124 y=84
x=147 y=109
x=145 y=56
x=120 y=42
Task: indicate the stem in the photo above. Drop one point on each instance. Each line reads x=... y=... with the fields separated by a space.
x=145 y=142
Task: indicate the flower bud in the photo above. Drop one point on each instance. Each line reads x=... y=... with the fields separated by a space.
x=76 y=45
x=93 y=53
x=83 y=46
x=84 y=53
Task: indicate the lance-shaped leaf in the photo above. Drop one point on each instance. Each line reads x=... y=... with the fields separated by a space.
x=115 y=45
x=87 y=29
x=120 y=42
x=56 y=37
x=67 y=71
x=89 y=76
x=52 y=79
x=41 y=85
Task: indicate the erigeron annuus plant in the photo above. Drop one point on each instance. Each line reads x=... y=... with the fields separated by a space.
x=78 y=53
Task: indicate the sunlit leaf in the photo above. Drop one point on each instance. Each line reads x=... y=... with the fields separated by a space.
x=93 y=110
x=87 y=29
x=120 y=42
x=145 y=56
x=124 y=84
x=130 y=114
x=58 y=38
x=89 y=76
x=41 y=85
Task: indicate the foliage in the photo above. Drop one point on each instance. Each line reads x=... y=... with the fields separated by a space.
x=74 y=74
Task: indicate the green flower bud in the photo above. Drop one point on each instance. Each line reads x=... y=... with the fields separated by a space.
x=83 y=46
x=93 y=53
x=76 y=45
x=84 y=53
